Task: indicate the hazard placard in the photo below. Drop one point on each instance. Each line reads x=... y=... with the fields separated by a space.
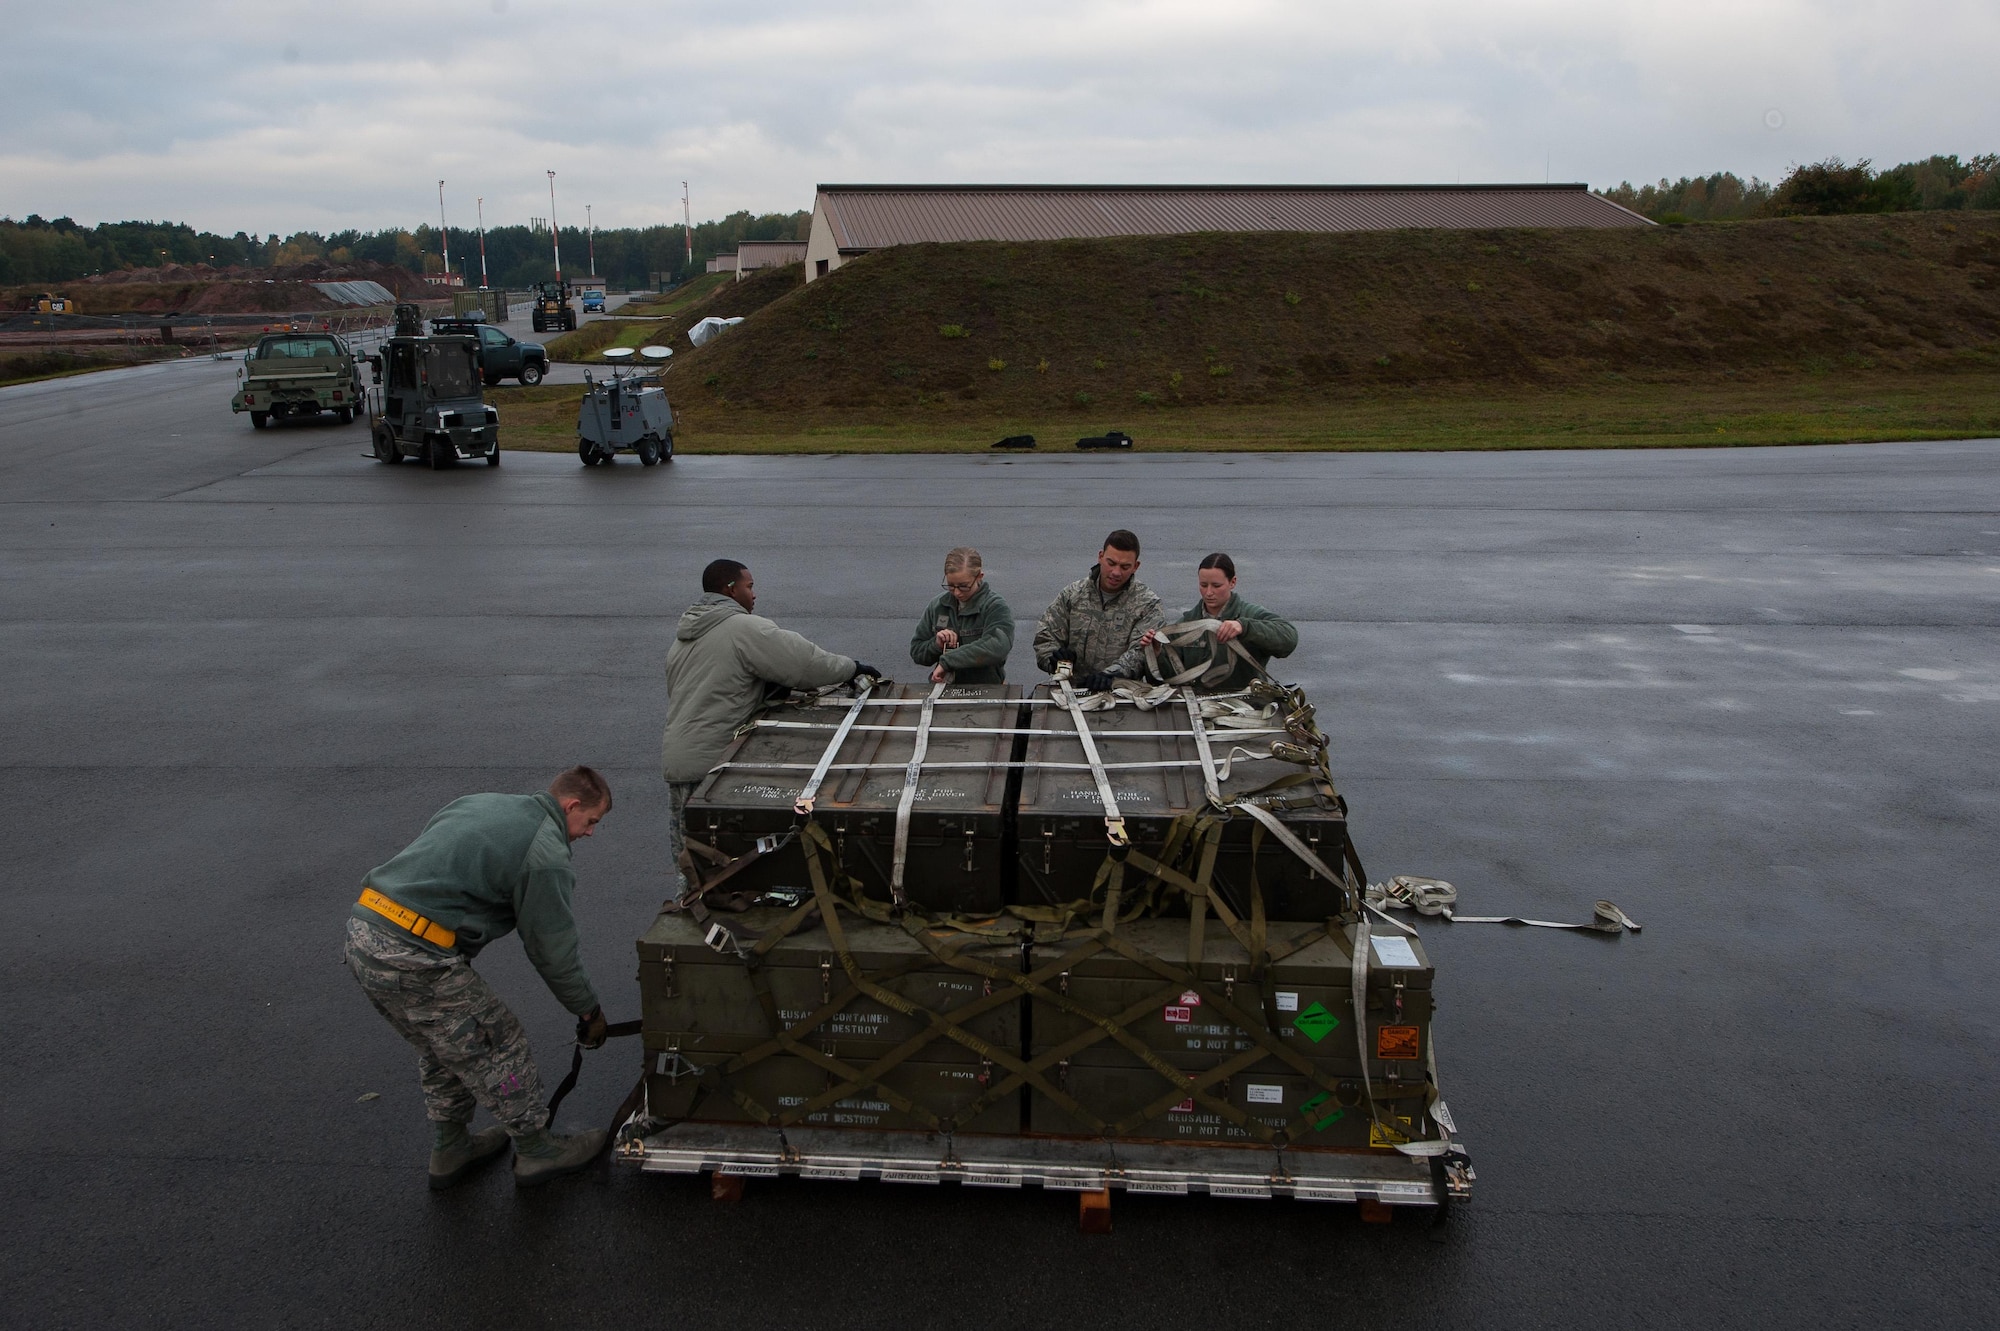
x=1178 y=1016
x=1396 y=1042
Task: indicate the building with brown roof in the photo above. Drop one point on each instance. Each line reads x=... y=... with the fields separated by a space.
x=850 y=220
x=754 y=254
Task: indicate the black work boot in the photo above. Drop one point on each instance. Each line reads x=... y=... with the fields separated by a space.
x=457 y=1152
x=542 y=1155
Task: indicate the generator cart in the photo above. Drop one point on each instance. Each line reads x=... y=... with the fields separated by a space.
x=1085 y=942
x=426 y=403
x=627 y=411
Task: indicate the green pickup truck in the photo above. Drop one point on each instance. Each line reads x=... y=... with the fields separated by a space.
x=298 y=374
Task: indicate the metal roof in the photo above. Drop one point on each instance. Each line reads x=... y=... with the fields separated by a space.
x=866 y=217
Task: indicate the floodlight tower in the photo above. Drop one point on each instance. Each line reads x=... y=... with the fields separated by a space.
x=481 y=204
x=444 y=231
x=555 y=230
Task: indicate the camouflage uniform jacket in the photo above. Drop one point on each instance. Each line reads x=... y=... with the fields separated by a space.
x=985 y=628
x=1265 y=635
x=485 y=866
x=1103 y=630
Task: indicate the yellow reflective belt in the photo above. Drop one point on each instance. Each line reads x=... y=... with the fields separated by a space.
x=402 y=916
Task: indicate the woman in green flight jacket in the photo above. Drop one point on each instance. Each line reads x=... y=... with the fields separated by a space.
x=1262 y=634
x=968 y=630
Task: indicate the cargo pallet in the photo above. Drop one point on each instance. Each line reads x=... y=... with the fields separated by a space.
x=742 y=1151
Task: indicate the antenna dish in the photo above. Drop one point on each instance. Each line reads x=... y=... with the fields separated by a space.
x=656 y=353
x=617 y=353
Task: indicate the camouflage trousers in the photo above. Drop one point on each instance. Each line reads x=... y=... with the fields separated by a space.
x=677 y=800
x=470 y=1049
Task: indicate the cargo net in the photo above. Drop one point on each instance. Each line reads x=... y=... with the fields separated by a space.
x=1008 y=954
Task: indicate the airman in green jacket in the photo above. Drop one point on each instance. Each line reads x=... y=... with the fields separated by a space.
x=968 y=630
x=1260 y=632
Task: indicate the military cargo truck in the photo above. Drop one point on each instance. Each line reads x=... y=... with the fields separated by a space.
x=1081 y=942
x=288 y=375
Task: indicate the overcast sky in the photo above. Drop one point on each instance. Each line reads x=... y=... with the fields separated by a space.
x=281 y=117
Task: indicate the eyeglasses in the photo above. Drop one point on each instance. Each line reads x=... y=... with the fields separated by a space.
x=959 y=586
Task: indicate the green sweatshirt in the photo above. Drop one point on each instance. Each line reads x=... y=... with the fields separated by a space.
x=485 y=866
x=1265 y=635
x=985 y=628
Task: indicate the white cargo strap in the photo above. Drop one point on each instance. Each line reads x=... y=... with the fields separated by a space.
x=1114 y=822
x=1247 y=727
x=1190 y=631
x=1436 y=897
x=803 y=805
x=911 y=774
x=1209 y=777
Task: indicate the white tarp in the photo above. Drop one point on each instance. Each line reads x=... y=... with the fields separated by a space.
x=358 y=293
x=704 y=332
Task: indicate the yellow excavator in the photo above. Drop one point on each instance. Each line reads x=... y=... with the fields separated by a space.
x=47 y=304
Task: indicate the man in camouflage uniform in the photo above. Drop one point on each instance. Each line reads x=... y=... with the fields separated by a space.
x=484 y=866
x=1096 y=622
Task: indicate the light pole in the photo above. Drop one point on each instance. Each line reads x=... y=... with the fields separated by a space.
x=687 y=225
x=480 y=203
x=590 y=232
x=554 y=230
x=446 y=233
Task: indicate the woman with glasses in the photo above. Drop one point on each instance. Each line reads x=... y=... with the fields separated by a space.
x=1258 y=631
x=968 y=630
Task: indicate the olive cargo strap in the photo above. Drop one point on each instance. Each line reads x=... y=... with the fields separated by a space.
x=408 y=920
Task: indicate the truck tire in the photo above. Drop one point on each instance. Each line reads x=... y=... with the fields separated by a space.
x=259 y=419
x=440 y=454
x=649 y=451
x=345 y=415
x=587 y=451
x=531 y=374
x=493 y=458
x=667 y=447
x=385 y=446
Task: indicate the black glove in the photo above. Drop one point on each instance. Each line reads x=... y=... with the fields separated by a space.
x=591 y=1030
x=861 y=669
x=1099 y=681
x=1063 y=654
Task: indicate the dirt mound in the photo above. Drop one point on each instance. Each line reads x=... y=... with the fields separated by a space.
x=202 y=289
x=1250 y=318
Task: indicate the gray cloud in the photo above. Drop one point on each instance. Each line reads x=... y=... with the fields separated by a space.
x=282 y=117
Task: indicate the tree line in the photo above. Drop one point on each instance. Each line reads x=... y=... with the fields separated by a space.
x=62 y=250
x=1821 y=189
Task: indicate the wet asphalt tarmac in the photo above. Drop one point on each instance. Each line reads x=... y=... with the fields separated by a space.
x=1753 y=696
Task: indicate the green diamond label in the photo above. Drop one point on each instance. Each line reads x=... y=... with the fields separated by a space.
x=1319 y=1124
x=1315 y=1023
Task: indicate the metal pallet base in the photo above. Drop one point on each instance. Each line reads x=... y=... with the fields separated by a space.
x=1064 y=1164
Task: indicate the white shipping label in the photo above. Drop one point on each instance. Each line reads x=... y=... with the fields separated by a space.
x=1393 y=950
x=1287 y=1002
x=1264 y=1095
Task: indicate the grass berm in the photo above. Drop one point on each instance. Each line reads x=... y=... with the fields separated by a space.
x=1780 y=331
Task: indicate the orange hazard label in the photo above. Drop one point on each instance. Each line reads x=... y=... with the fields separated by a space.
x=1396 y=1042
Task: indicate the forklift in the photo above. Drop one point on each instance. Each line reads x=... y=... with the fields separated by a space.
x=553 y=312
x=430 y=406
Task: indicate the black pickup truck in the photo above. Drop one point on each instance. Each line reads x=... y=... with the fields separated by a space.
x=500 y=356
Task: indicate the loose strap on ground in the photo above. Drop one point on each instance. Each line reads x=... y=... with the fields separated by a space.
x=1436 y=897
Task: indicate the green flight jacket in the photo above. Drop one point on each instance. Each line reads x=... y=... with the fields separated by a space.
x=485 y=866
x=985 y=629
x=1265 y=635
